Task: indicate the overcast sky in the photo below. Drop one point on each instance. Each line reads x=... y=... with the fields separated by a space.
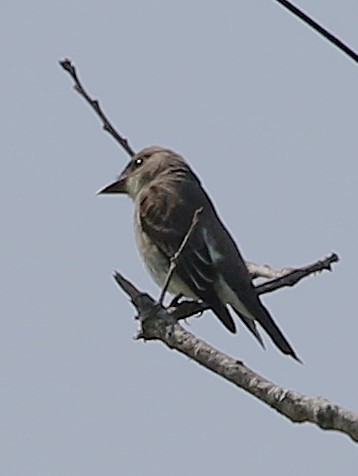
x=266 y=112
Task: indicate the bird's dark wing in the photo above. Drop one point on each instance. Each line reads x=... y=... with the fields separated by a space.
x=166 y=214
x=238 y=279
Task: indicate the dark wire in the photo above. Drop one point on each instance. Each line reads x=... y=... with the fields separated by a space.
x=312 y=23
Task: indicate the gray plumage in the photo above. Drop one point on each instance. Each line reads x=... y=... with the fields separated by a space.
x=166 y=194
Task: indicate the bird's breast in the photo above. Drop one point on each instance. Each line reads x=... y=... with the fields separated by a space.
x=156 y=262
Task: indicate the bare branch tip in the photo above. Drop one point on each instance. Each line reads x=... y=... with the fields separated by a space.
x=329 y=261
x=94 y=103
x=126 y=285
x=67 y=65
x=334 y=258
x=197 y=213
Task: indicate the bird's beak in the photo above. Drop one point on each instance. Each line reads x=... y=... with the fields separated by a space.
x=119 y=186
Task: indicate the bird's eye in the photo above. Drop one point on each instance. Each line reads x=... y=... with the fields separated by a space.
x=138 y=162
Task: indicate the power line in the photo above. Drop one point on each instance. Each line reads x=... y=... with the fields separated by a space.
x=320 y=29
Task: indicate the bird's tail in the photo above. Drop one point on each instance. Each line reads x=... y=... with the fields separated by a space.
x=251 y=325
x=222 y=312
x=263 y=317
x=276 y=335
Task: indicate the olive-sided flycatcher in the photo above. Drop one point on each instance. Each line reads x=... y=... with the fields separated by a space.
x=166 y=193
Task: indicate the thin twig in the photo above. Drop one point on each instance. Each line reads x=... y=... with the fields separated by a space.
x=265 y=271
x=293 y=276
x=320 y=29
x=295 y=406
x=94 y=103
x=174 y=259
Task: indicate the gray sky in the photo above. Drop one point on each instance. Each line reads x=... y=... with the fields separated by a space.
x=266 y=113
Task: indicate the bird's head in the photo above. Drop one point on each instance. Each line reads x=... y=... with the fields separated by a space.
x=147 y=165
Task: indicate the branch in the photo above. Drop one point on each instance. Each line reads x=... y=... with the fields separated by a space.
x=289 y=277
x=94 y=103
x=295 y=406
x=174 y=259
x=320 y=29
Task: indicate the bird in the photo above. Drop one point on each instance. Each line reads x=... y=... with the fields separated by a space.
x=166 y=194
